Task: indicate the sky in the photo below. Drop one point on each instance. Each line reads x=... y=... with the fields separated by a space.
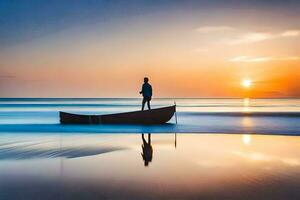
x=104 y=48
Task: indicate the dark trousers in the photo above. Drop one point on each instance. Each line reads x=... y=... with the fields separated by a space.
x=146 y=99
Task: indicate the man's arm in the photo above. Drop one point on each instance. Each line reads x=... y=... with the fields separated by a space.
x=142 y=90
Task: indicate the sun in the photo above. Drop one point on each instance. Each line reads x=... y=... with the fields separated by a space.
x=246 y=83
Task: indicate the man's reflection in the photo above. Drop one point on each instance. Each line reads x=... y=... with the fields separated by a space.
x=147 y=150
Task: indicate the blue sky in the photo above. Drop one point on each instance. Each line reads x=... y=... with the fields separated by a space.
x=25 y=20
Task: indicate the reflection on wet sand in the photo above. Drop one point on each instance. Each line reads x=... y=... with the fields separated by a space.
x=42 y=149
x=147 y=150
x=17 y=153
x=203 y=166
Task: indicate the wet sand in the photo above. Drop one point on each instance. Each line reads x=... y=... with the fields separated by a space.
x=123 y=166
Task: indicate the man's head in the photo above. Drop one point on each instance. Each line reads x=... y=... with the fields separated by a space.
x=146 y=80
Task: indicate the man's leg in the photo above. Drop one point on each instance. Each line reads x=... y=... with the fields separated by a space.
x=143 y=103
x=148 y=103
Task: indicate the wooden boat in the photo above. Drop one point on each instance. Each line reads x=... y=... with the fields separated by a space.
x=153 y=116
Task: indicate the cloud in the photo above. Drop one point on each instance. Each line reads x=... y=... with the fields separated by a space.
x=252 y=37
x=249 y=59
x=201 y=50
x=290 y=33
x=240 y=37
x=262 y=59
x=210 y=29
x=7 y=77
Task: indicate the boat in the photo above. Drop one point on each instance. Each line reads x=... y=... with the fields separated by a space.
x=153 y=116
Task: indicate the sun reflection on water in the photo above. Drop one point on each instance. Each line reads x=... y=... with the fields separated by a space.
x=247 y=139
x=246 y=103
x=247 y=121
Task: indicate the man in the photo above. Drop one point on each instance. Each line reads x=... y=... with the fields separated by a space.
x=147 y=93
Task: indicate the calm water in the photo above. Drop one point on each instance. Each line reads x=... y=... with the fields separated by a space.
x=182 y=166
x=271 y=116
x=41 y=159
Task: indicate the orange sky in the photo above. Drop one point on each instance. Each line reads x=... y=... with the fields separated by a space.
x=185 y=53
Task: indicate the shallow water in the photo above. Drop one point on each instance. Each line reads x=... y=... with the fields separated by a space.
x=268 y=116
x=181 y=166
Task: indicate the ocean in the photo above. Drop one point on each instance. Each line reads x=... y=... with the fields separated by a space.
x=248 y=116
x=237 y=149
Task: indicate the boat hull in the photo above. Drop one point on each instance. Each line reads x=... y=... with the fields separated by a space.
x=153 y=116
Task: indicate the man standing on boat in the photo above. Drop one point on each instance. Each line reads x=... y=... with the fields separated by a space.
x=147 y=93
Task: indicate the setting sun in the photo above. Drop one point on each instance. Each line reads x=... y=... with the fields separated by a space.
x=246 y=83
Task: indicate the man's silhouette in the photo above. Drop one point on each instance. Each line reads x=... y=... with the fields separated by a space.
x=147 y=150
x=147 y=93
